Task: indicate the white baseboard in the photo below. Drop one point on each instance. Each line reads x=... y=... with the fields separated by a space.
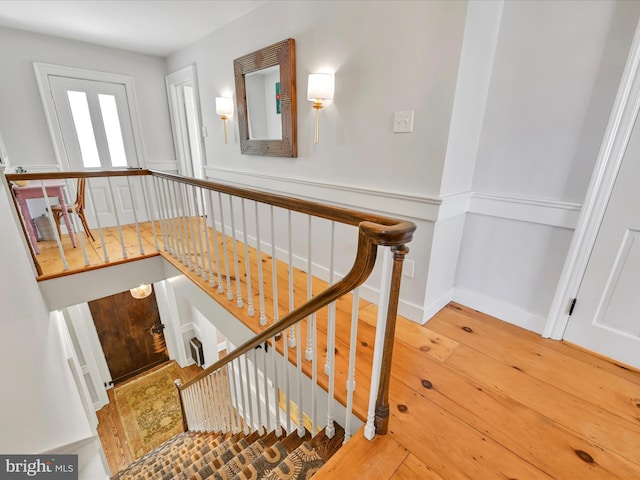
x=496 y=308
x=436 y=305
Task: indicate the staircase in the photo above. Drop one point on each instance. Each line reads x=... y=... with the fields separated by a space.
x=198 y=456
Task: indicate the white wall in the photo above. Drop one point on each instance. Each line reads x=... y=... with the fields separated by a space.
x=387 y=57
x=556 y=70
x=40 y=408
x=22 y=122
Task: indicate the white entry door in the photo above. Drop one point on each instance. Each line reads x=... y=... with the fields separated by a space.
x=606 y=317
x=90 y=115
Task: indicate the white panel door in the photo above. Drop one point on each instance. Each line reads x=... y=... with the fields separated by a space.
x=606 y=317
x=95 y=125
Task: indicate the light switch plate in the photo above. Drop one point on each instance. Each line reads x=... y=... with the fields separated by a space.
x=403 y=122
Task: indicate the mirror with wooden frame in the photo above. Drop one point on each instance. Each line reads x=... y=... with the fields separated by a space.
x=266 y=100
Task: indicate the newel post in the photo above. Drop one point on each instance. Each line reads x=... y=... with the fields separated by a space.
x=382 y=401
x=185 y=424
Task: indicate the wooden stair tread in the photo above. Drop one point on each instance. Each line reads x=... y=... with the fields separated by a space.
x=325 y=446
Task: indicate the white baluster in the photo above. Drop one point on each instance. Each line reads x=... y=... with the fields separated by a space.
x=381 y=326
x=266 y=387
x=276 y=386
x=299 y=383
x=314 y=375
x=218 y=404
x=209 y=401
x=235 y=254
x=97 y=216
x=177 y=224
x=263 y=316
x=255 y=421
x=168 y=208
x=135 y=215
x=198 y=229
x=257 y=389
x=212 y=282
x=237 y=424
x=353 y=345
x=115 y=214
x=308 y=354
x=287 y=391
x=188 y=232
x=292 y=335
x=144 y=184
x=331 y=319
x=247 y=262
x=274 y=269
x=225 y=252
x=161 y=213
x=232 y=395
x=215 y=242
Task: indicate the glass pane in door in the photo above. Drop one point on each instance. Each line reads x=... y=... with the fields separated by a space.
x=84 y=128
x=111 y=121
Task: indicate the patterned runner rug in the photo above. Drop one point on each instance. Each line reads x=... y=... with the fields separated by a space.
x=149 y=409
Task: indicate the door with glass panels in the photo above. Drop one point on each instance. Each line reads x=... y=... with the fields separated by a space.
x=95 y=126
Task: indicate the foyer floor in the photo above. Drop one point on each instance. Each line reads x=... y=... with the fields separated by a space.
x=474 y=397
x=110 y=429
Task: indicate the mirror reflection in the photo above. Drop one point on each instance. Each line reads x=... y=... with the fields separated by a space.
x=263 y=104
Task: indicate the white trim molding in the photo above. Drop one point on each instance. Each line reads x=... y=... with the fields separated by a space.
x=413 y=206
x=432 y=209
x=614 y=143
x=496 y=308
x=532 y=210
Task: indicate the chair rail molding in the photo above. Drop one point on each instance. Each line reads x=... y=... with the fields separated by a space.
x=428 y=208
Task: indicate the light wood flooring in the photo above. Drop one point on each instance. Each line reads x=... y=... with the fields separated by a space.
x=474 y=397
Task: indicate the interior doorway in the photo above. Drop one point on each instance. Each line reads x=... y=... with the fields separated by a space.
x=182 y=92
x=130 y=332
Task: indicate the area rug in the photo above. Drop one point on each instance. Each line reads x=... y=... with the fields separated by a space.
x=149 y=409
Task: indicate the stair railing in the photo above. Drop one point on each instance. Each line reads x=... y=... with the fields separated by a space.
x=230 y=240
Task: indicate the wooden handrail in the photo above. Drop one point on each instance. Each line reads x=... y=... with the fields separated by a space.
x=384 y=230
x=362 y=267
x=373 y=230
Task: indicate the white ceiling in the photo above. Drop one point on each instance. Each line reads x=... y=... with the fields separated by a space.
x=144 y=26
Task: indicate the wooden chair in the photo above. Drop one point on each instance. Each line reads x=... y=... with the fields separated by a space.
x=77 y=207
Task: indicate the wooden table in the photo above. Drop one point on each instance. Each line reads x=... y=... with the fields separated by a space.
x=53 y=188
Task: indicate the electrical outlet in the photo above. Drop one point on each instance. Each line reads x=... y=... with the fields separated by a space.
x=408 y=269
x=403 y=122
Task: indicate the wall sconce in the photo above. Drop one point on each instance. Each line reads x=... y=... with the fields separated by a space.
x=319 y=89
x=224 y=108
x=143 y=291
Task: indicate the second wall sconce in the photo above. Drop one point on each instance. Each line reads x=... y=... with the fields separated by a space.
x=224 y=108
x=319 y=90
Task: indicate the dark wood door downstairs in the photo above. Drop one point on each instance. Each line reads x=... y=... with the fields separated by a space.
x=130 y=332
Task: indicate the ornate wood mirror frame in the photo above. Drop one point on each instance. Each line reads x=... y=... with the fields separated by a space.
x=283 y=55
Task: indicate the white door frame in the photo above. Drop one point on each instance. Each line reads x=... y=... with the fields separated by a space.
x=174 y=80
x=43 y=70
x=614 y=144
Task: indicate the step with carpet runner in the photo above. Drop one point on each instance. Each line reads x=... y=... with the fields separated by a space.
x=200 y=456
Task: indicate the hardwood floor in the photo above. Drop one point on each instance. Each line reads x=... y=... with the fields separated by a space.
x=110 y=428
x=474 y=397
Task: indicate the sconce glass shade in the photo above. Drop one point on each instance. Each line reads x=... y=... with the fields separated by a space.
x=320 y=87
x=143 y=291
x=224 y=106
